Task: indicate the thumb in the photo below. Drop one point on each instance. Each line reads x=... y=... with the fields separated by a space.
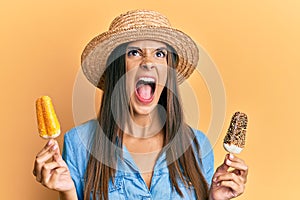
x=57 y=156
x=223 y=167
x=57 y=149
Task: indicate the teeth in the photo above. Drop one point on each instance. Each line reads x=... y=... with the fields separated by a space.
x=147 y=79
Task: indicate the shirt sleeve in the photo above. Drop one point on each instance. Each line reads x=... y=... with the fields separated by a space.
x=70 y=156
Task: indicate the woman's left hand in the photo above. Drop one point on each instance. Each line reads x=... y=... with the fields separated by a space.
x=228 y=184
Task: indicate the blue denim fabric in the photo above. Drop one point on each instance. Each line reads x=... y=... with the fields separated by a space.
x=129 y=184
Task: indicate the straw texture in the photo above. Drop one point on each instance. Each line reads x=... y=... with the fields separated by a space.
x=132 y=26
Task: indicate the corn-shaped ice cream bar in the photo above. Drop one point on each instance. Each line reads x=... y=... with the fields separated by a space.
x=234 y=141
x=48 y=124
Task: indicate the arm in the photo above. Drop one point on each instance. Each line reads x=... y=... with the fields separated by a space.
x=69 y=195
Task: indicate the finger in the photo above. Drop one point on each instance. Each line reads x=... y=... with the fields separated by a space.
x=237 y=164
x=236 y=159
x=46 y=172
x=232 y=181
x=41 y=160
x=48 y=145
x=230 y=177
x=56 y=173
x=57 y=149
x=47 y=155
x=57 y=157
x=223 y=167
x=236 y=188
x=241 y=174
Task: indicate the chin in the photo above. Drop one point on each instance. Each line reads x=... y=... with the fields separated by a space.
x=140 y=109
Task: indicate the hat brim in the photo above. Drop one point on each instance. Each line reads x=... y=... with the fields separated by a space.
x=95 y=55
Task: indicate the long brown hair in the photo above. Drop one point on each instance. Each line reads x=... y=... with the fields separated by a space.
x=182 y=162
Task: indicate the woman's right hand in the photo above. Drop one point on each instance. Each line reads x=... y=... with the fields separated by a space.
x=51 y=170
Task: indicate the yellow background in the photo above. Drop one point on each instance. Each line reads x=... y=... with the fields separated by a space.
x=255 y=45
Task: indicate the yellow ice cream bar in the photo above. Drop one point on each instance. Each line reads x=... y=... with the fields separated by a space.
x=48 y=124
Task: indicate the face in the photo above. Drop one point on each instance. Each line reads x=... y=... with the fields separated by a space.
x=146 y=74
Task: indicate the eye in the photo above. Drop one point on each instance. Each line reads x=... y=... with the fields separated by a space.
x=160 y=54
x=133 y=52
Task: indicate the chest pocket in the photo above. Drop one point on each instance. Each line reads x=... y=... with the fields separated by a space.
x=115 y=191
x=187 y=191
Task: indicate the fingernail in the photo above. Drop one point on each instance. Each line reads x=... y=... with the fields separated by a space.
x=228 y=162
x=231 y=156
x=54 y=147
x=215 y=180
x=49 y=142
x=218 y=184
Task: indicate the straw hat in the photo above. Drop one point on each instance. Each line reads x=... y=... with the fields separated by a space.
x=132 y=26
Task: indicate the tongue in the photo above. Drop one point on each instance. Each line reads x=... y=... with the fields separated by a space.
x=144 y=91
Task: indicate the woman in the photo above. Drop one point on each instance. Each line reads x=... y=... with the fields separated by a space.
x=139 y=147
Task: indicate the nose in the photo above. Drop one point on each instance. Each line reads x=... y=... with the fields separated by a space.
x=147 y=66
x=147 y=63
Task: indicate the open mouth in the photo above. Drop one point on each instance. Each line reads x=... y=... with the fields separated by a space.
x=145 y=88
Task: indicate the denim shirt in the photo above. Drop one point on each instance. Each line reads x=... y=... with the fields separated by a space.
x=129 y=183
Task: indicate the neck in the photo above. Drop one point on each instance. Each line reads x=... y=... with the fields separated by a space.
x=142 y=120
x=145 y=126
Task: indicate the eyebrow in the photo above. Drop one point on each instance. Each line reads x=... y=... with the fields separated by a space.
x=133 y=47
x=138 y=48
